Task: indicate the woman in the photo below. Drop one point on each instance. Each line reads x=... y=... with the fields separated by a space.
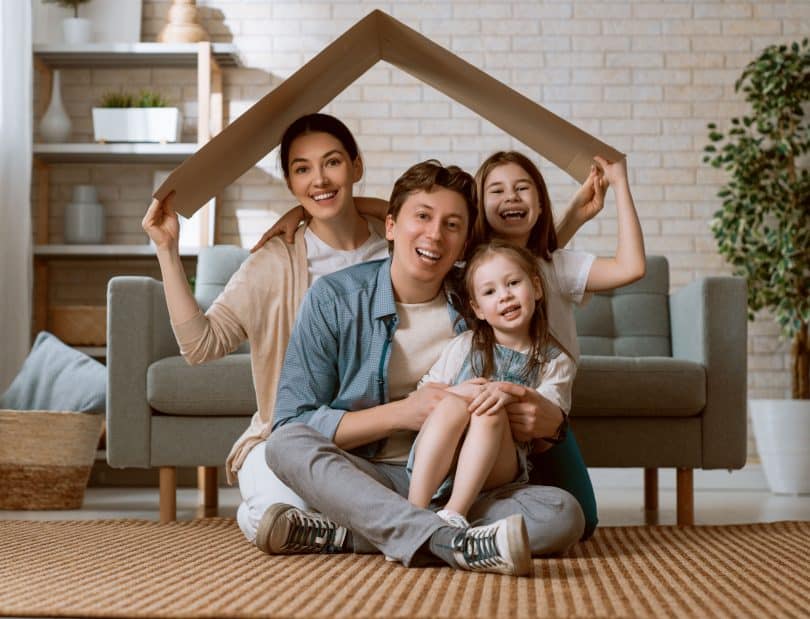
x=321 y=163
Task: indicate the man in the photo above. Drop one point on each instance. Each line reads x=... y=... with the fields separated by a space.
x=346 y=411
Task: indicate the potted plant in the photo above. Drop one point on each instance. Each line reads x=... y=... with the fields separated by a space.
x=77 y=30
x=123 y=117
x=763 y=230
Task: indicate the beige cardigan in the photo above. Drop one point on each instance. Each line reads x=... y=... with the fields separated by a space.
x=259 y=303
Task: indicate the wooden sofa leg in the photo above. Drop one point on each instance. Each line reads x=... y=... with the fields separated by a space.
x=207 y=482
x=651 y=496
x=168 y=493
x=685 y=492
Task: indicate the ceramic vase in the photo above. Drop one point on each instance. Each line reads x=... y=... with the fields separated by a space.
x=84 y=217
x=782 y=432
x=77 y=30
x=55 y=124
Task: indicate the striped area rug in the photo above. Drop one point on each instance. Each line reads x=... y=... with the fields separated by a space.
x=204 y=568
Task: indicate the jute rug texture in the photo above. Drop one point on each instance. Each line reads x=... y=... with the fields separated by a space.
x=204 y=568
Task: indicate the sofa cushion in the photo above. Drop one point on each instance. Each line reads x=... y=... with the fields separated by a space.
x=216 y=388
x=631 y=321
x=638 y=387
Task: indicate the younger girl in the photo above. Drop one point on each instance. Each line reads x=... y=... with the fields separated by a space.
x=507 y=343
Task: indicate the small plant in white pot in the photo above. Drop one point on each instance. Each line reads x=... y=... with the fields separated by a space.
x=76 y=30
x=763 y=230
x=124 y=117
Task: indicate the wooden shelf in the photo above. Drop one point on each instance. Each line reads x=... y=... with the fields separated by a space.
x=130 y=152
x=133 y=55
x=104 y=251
x=97 y=352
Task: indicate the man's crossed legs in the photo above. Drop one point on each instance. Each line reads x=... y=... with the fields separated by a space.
x=367 y=512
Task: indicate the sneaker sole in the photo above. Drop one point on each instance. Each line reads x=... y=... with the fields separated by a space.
x=518 y=538
x=265 y=528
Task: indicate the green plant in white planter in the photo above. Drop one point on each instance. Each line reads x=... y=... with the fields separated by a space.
x=76 y=30
x=763 y=226
x=124 y=117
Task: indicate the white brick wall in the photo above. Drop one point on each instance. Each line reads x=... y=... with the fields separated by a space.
x=645 y=76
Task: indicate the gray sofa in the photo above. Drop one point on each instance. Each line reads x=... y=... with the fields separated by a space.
x=661 y=383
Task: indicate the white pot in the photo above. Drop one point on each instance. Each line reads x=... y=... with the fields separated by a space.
x=136 y=124
x=782 y=432
x=77 y=30
x=84 y=217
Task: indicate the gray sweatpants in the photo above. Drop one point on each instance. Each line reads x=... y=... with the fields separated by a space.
x=369 y=498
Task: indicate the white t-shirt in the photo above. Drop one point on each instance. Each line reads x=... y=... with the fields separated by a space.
x=565 y=277
x=324 y=259
x=554 y=382
x=424 y=329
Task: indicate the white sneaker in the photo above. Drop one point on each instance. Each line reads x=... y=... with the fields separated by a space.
x=501 y=547
x=454 y=519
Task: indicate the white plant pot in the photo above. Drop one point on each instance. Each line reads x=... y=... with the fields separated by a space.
x=77 y=30
x=782 y=432
x=137 y=124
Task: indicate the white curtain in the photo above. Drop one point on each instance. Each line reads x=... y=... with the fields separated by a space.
x=16 y=119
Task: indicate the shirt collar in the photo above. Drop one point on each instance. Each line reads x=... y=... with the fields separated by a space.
x=384 y=303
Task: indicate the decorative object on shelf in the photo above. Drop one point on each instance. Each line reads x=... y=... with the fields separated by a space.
x=123 y=117
x=183 y=26
x=55 y=124
x=76 y=30
x=84 y=217
x=763 y=230
x=114 y=21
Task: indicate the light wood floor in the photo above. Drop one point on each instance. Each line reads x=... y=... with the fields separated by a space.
x=620 y=499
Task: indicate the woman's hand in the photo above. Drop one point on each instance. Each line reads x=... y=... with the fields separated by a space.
x=287 y=224
x=491 y=398
x=161 y=223
x=589 y=199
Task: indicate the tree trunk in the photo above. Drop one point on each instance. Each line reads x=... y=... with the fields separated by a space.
x=801 y=364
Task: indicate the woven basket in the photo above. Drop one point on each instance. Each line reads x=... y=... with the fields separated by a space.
x=46 y=457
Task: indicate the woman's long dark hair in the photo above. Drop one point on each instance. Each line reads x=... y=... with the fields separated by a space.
x=483 y=339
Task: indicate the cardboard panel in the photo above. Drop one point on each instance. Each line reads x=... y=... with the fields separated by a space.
x=376 y=37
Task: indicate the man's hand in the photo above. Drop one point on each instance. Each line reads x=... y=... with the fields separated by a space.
x=531 y=416
x=419 y=404
x=287 y=224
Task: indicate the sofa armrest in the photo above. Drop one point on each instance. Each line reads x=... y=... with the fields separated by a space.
x=138 y=333
x=709 y=326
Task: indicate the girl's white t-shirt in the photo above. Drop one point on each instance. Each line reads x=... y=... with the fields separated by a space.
x=324 y=259
x=566 y=277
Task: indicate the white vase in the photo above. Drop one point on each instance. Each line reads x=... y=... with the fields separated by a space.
x=77 y=30
x=55 y=124
x=84 y=217
x=782 y=433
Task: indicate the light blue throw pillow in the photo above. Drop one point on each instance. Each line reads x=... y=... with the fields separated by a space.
x=56 y=377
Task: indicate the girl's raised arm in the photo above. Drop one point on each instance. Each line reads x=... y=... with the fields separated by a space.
x=629 y=263
x=586 y=203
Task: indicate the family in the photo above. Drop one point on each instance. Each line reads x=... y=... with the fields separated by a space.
x=413 y=359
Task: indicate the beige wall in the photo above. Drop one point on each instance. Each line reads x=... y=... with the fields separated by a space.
x=645 y=76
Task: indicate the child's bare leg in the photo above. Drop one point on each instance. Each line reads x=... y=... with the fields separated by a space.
x=436 y=447
x=487 y=455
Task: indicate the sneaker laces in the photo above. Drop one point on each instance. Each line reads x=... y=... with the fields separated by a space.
x=310 y=532
x=478 y=548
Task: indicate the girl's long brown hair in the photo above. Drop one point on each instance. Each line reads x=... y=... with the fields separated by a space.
x=483 y=339
x=542 y=238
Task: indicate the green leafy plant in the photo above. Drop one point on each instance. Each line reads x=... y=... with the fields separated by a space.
x=763 y=226
x=146 y=98
x=68 y=4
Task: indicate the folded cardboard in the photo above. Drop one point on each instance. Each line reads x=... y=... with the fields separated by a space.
x=376 y=37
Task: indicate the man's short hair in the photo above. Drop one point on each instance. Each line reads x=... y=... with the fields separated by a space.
x=428 y=175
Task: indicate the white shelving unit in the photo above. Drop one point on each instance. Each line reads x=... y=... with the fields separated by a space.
x=206 y=59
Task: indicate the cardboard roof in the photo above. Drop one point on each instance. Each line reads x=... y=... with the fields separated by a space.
x=378 y=36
